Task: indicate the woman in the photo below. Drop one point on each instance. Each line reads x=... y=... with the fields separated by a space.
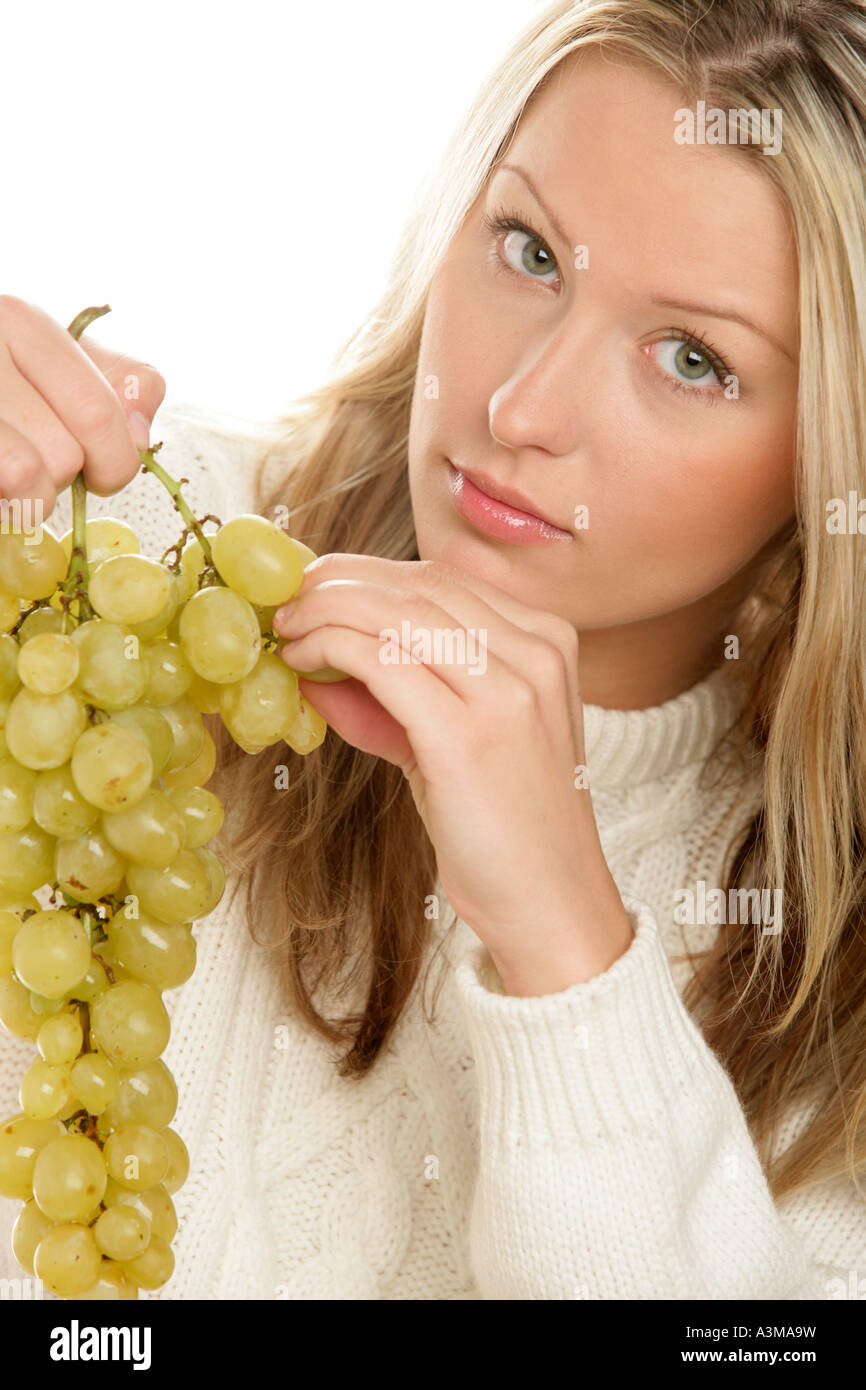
x=638 y=1078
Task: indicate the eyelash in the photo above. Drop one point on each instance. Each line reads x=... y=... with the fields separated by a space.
x=502 y=221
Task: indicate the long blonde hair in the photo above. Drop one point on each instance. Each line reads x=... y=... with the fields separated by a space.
x=339 y=866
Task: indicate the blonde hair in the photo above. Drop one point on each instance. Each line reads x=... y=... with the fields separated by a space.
x=339 y=864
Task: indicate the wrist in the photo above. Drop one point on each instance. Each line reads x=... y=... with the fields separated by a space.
x=581 y=943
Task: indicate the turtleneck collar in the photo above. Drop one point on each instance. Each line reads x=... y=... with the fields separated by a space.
x=625 y=748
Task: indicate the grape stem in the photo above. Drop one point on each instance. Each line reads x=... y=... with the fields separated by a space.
x=75 y=583
x=172 y=486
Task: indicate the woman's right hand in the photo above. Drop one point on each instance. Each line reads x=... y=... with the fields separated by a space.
x=66 y=405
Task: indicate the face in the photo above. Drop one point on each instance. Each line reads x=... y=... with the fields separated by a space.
x=625 y=359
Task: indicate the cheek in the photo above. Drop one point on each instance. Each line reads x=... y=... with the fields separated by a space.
x=458 y=348
x=716 y=496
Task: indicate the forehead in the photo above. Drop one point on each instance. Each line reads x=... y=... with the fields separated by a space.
x=598 y=141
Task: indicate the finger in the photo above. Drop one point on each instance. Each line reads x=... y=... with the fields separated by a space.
x=356 y=715
x=75 y=389
x=413 y=694
x=139 y=387
x=25 y=410
x=533 y=648
x=23 y=475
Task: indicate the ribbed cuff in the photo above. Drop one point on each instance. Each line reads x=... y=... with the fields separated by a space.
x=612 y=1055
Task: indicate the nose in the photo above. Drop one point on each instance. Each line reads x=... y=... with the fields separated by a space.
x=544 y=402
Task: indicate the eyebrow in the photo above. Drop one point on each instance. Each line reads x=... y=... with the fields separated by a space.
x=663 y=301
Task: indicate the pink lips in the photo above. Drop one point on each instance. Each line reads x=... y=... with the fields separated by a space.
x=499 y=515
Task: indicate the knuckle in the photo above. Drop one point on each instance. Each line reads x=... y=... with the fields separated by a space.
x=67 y=460
x=96 y=413
x=20 y=463
x=549 y=665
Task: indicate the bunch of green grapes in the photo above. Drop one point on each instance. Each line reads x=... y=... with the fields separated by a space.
x=108 y=660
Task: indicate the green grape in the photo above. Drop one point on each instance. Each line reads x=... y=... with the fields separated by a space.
x=21 y=1140
x=130 y=589
x=112 y=766
x=192 y=562
x=178 y=1162
x=88 y=867
x=257 y=559
x=155 y=1205
x=307 y=555
x=136 y=1156
x=150 y=832
x=112 y=674
x=147 y=1095
x=93 y=982
x=9 y=924
x=46 y=1007
x=160 y=954
x=104 y=536
x=257 y=709
x=16 y=794
x=60 y=1038
x=220 y=634
x=205 y=695
x=187 y=731
x=69 y=1178
x=9 y=649
x=48 y=663
x=153 y=726
x=31 y=1225
x=67 y=1259
x=10 y=608
x=40 y=622
x=307 y=730
x=111 y=1283
x=325 y=675
x=51 y=952
x=168 y=672
x=44 y=1090
x=158 y=625
x=41 y=730
x=95 y=1082
x=152 y=1269
x=58 y=806
x=177 y=893
x=201 y=813
x=197 y=772
x=130 y=1023
x=16 y=1014
x=122 y=1232
x=19 y=903
x=26 y=858
x=31 y=566
x=216 y=877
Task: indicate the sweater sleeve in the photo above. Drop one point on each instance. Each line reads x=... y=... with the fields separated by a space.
x=615 y=1158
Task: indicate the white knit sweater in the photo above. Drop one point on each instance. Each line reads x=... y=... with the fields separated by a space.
x=586 y=1144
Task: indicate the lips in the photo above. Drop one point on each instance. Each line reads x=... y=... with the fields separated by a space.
x=510 y=496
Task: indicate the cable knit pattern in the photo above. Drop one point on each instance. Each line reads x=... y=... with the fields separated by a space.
x=585 y=1144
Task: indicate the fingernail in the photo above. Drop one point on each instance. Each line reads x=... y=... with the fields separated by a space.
x=139 y=428
x=283 y=614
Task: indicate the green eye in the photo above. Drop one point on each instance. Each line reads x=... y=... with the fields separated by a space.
x=691 y=363
x=533 y=256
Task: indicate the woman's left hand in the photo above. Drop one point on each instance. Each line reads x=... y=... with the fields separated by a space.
x=490 y=745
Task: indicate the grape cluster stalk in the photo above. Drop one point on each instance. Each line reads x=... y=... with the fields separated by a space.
x=108 y=660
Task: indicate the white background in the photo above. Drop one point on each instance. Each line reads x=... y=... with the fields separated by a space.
x=231 y=179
